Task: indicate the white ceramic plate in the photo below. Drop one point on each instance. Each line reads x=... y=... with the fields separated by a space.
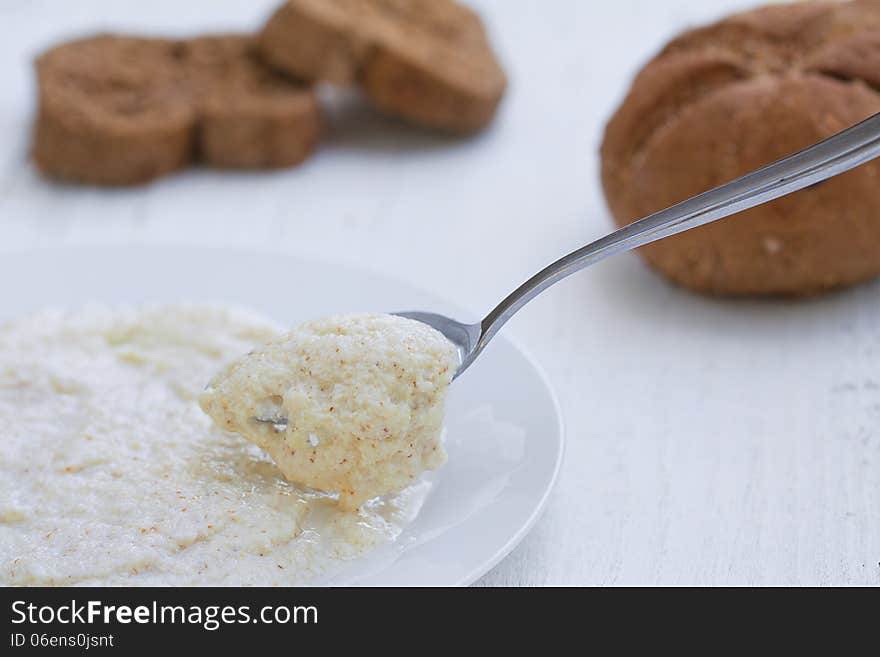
x=504 y=431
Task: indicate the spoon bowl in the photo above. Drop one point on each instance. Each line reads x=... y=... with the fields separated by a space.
x=465 y=337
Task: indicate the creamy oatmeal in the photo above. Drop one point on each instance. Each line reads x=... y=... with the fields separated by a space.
x=110 y=473
x=351 y=404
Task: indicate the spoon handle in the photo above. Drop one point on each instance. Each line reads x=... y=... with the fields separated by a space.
x=834 y=155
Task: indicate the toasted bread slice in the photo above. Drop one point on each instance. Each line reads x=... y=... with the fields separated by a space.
x=427 y=61
x=117 y=110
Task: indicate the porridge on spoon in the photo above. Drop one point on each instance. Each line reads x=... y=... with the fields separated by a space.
x=351 y=404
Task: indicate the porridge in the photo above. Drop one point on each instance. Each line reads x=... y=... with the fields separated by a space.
x=111 y=474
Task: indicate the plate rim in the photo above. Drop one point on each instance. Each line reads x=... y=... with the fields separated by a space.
x=541 y=506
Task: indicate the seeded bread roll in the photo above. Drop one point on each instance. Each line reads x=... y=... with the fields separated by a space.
x=116 y=110
x=426 y=61
x=722 y=100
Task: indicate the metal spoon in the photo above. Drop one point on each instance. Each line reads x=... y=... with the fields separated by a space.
x=819 y=162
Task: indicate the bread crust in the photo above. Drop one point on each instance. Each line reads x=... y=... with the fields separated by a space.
x=119 y=110
x=426 y=61
x=722 y=100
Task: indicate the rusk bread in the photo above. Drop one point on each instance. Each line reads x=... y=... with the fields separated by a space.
x=426 y=61
x=118 y=110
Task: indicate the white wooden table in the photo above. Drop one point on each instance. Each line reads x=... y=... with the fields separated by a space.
x=708 y=442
